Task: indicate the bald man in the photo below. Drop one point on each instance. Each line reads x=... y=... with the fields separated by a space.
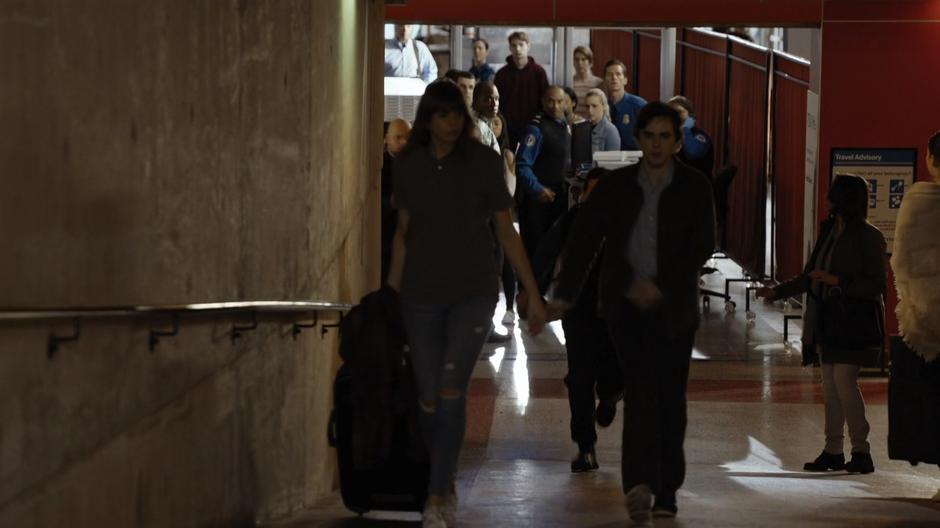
x=396 y=136
x=542 y=165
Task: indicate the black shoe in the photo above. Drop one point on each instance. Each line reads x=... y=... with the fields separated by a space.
x=860 y=463
x=664 y=511
x=664 y=507
x=585 y=461
x=606 y=412
x=826 y=462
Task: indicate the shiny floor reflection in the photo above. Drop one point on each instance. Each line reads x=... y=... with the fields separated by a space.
x=754 y=418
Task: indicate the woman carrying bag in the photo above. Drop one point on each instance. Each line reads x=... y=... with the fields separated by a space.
x=844 y=321
x=448 y=188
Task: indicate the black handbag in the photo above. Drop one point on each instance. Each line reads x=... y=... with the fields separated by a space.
x=850 y=322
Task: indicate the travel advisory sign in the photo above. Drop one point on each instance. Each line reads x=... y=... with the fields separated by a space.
x=890 y=172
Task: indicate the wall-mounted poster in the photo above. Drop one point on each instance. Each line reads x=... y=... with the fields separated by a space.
x=890 y=172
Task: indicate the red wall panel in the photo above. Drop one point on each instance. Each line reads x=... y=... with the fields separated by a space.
x=703 y=82
x=647 y=85
x=612 y=44
x=789 y=140
x=879 y=81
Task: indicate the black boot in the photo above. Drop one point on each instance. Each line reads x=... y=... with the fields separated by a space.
x=826 y=462
x=860 y=463
x=585 y=461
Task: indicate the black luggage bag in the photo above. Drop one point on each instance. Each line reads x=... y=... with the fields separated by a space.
x=913 y=406
x=383 y=463
x=401 y=483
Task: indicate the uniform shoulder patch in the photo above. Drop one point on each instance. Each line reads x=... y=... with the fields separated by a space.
x=530 y=140
x=701 y=137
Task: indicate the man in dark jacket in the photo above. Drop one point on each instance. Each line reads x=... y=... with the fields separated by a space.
x=658 y=221
x=592 y=361
x=521 y=83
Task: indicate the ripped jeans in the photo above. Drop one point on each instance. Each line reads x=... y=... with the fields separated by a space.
x=445 y=341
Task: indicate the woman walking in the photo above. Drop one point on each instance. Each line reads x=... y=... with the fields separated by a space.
x=448 y=187
x=845 y=279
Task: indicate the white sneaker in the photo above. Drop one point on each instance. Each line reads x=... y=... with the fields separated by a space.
x=639 y=502
x=432 y=517
x=509 y=319
x=449 y=509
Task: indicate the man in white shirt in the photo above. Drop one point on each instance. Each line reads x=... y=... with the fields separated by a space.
x=407 y=57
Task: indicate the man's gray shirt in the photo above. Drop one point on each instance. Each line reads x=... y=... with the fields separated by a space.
x=642 y=246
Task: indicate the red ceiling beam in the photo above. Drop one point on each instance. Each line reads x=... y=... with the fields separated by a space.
x=635 y=13
x=881 y=10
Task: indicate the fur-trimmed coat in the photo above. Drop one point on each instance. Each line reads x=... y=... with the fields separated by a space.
x=916 y=264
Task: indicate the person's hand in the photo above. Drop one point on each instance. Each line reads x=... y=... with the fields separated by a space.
x=536 y=315
x=644 y=294
x=547 y=195
x=556 y=310
x=765 y=293
x=824 y=277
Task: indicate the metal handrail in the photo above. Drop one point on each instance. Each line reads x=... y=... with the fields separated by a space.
x=76 y=314
x=25 y=314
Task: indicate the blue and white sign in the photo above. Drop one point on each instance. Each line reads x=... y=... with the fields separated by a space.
x=889 y=173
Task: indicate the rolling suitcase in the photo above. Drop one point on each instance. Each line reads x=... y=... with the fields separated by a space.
x=400 y=482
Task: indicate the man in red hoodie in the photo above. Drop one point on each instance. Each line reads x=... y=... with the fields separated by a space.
x=521 y=83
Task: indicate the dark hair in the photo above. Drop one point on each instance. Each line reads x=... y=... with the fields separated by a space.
x=684 y=102
x=481 y=90
x=656 y=109
x=933 y=146
x=440 y=96
x=571 y=93
x=503 y=138
x=848 y=197
x=617 y=62
x=486 y=44
x=520 y=35
x=454 y=74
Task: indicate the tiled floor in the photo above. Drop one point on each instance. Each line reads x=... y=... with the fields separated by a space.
x=755 y=416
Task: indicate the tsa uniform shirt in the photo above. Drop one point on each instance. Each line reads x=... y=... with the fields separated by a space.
x=697 y=149
x=544 y=155
x=623 y=116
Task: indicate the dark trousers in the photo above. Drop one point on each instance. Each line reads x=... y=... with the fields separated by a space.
x=655 y=370
x=536 y=218
x=592 y=365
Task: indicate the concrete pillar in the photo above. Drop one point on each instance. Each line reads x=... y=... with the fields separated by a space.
x=173 y=152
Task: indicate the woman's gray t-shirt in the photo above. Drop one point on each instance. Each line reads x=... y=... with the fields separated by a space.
x=450 y=252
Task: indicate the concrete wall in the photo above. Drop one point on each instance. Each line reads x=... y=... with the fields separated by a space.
x=175 y=151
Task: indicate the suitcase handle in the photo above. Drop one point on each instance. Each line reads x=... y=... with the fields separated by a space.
x=331 y=430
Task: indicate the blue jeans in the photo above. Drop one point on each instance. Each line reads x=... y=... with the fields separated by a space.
x=444 y=343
